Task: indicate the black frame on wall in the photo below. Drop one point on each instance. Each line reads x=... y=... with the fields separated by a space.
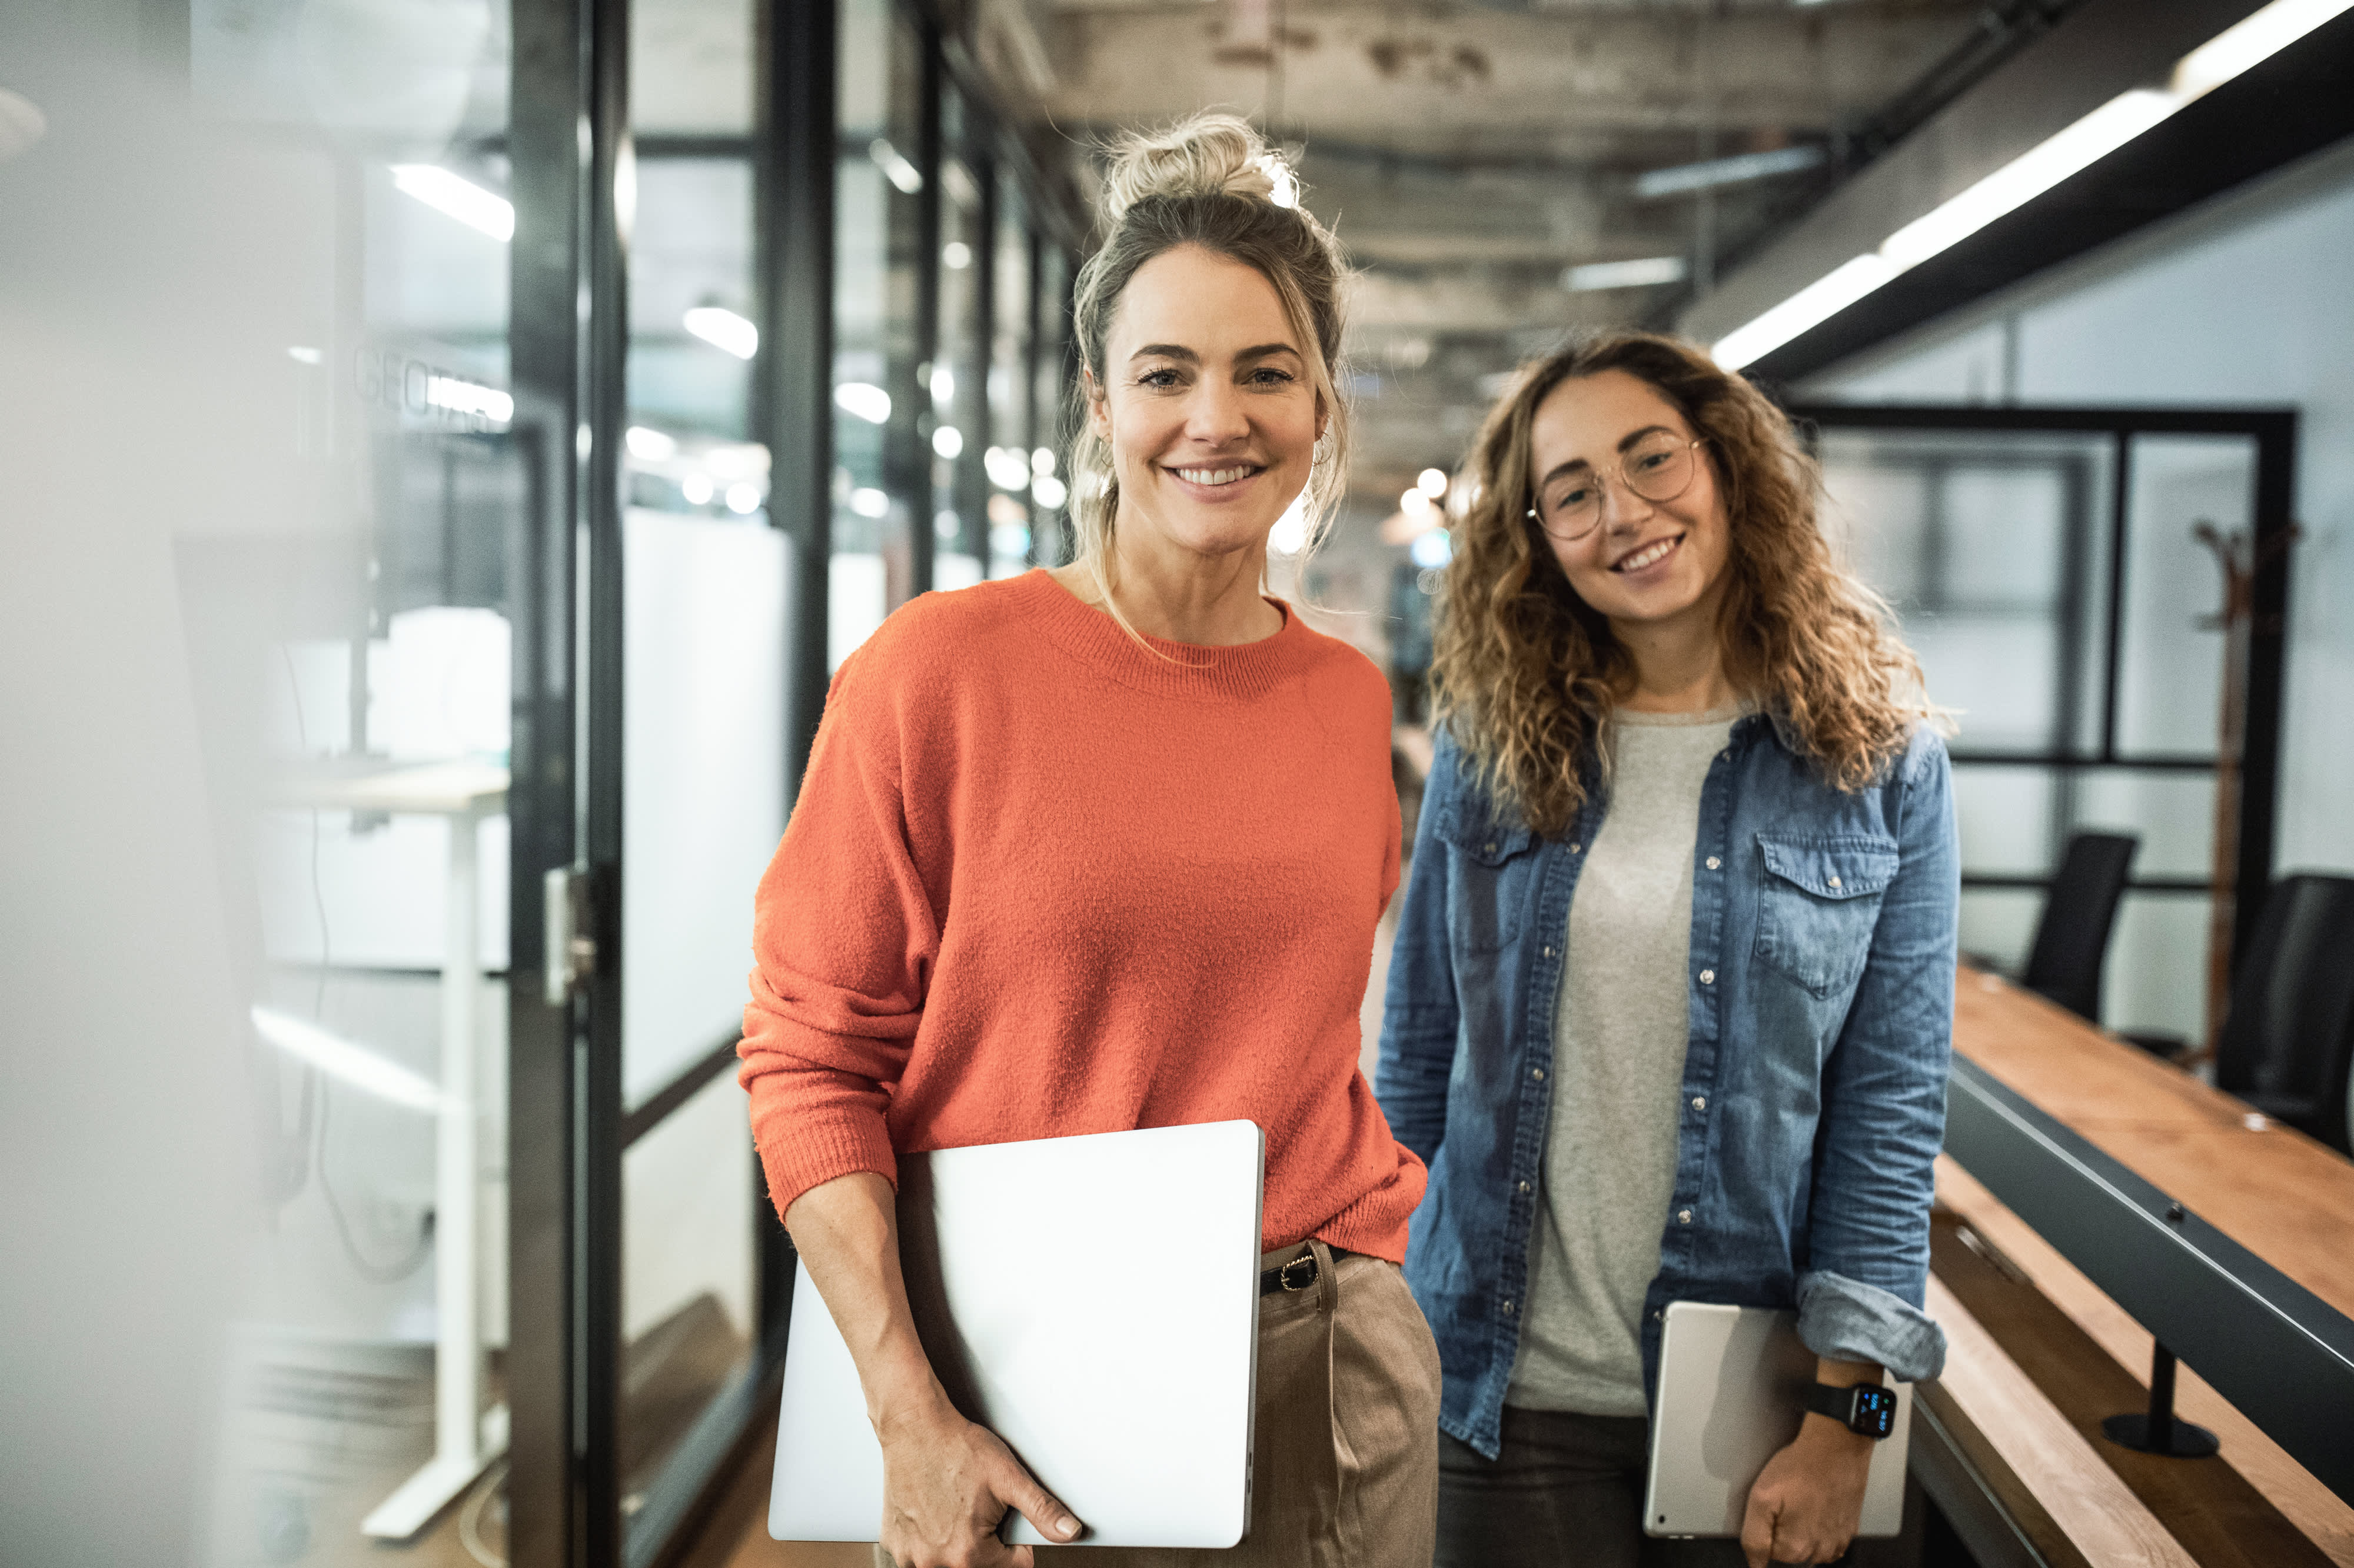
x=569 y=1125
x=2274 y=433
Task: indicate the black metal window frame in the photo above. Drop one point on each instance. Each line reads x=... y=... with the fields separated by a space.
x=2274 y=433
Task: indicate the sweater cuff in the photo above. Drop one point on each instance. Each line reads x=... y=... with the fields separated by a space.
x=1844 y=1320
x=797 y=1155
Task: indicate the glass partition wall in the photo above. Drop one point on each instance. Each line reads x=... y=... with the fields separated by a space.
x=353 y=655
x=2047 y=569
x=513 y=716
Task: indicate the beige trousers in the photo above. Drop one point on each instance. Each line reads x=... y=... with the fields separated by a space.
x=1345 y=1450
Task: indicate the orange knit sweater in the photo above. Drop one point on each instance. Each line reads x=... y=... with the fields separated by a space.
x=1040 y=882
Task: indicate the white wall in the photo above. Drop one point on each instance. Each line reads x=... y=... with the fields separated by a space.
x=2249 y=300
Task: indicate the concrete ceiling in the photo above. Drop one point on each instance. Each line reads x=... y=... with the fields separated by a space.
x=1468 y=155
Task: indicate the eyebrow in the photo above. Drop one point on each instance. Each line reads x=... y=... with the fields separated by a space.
x=1625 y=443
x=1178 y=351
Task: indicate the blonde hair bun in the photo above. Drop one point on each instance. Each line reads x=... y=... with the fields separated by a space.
x=1207 y=155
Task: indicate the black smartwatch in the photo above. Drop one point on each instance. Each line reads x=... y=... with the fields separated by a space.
x=1865 y=1408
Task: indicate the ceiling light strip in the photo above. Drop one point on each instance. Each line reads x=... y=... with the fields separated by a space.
x=2094 y=136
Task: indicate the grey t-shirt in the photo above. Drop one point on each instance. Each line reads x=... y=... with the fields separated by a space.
x=1619 y=1030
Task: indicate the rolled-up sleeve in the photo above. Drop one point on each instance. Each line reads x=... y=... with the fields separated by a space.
x=844 y=937
x=1883 y=1114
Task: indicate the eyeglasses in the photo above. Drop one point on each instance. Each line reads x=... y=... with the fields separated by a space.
x=1660 y=467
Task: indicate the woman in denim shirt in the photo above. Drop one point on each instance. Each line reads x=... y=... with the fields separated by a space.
x=1669 y=1008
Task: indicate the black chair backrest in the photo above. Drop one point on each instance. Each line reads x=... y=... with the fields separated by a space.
x=2286 y=1039
x=2072 y=940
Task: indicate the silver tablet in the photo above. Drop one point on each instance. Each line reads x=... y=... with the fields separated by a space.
x=1094 y=1301
x=1733 y=1387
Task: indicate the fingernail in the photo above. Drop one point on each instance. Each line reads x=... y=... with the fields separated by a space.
x=1066 y=1525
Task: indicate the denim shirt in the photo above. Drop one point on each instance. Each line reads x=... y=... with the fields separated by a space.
x=1813 y=1103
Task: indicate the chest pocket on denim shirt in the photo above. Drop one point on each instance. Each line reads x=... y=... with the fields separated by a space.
x=1490 y=881
x=1819 y=902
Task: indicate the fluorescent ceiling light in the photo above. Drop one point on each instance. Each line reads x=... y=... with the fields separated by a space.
x=650 y=446
x=943 y=384
x=2237 y=49
x=467 y=202
x=1416 y=505
x=1731 y=171
x=863 y=401
x=1432 y=481
x=895 y=166
x=1041 y=461
x=1817 y=302
x=870 y=502
x=948 y=441
x=696 y=487
x=743 y=499
x=723 y=328
x=1635 y=274
x=956 y=255
x=303 y=354
x=340 y=1058
x=1048 y=491
x=2029 y=175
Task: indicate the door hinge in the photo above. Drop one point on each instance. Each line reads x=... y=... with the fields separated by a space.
x=571 y=924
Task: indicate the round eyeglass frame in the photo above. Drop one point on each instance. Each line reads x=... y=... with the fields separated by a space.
x=1618 y=472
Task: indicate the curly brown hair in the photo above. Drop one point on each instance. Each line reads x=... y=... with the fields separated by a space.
x=1526 y=672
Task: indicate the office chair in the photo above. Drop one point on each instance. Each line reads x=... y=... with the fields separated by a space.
x=2071 y=939
x=2289 y=1033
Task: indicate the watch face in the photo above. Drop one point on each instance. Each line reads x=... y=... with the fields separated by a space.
x=1875 y=1411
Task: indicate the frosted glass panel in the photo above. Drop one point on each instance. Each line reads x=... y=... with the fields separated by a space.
x=2171 y=673
x=703 y=792
x=2005 y=816
x=1987 y=546
x=2173 y=813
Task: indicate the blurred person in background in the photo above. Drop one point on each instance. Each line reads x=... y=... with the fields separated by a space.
x=1668 y=1011
x=1103 y=848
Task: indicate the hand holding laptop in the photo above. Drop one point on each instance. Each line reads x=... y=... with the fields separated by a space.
x=947 y=1482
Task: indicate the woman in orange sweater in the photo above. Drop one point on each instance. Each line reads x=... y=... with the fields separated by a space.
x=1102 y=848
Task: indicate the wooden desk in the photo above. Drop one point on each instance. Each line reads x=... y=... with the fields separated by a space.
x=2277 y=1192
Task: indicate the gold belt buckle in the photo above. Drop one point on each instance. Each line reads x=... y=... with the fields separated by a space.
x=1283 y=1274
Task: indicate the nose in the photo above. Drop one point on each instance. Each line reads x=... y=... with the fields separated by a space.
x=1621 y=507
x=1216 y=415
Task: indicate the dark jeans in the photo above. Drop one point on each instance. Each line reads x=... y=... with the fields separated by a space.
x=1564 y=1491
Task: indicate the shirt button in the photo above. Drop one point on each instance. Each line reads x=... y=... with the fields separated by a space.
x=1548 y=952
x=1525 y=1186
x=1683 y=1216
x=1574 y=848
x=1713 y=863
x=1492 y=846
x=1700 y=1102
x=1708 y=977
x=1507 y=1307
x=1834 y=882
x=1537 y=1072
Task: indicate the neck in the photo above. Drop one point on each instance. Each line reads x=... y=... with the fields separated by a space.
x=1166 y=591
x=1678 y=663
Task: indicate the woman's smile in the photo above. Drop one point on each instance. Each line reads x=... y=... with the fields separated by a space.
x=1645 y=557
x=1209 y=481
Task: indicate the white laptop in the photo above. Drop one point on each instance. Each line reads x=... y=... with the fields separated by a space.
x=1733 y=1386
x=1094 y=1301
